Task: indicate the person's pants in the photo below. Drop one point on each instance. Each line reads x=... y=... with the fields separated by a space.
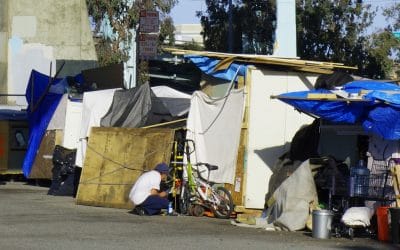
x=154 y=203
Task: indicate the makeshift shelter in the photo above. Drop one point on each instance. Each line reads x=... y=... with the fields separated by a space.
x=268 y=126
x=63 y=129
x=43 y=95
x=365 y=107
x=375 y=105
x=131 y=108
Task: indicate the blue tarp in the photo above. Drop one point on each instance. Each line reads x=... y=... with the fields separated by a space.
x=39 y=113
x=378 y=111
x=207 y=65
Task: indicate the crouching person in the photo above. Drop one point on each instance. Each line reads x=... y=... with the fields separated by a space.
x=146 y=194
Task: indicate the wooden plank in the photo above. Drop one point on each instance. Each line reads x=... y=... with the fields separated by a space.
x=396 y=181
x=115 y=158
x=236 y=189
x=43 y=163
x=259 y=59
x=321 y=96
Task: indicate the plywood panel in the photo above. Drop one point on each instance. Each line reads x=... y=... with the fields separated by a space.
x=115 y=158
x=43 y=164
x=236 y=189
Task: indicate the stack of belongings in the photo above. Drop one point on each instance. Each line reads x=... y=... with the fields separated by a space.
x=65 y=174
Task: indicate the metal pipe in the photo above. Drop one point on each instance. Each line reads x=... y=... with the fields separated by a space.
x=230 y=31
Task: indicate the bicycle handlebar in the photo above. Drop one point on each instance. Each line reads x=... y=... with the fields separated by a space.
x=207 y=165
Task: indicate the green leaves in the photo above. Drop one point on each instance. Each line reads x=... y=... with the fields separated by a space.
x=123 y=16
x=253 y=25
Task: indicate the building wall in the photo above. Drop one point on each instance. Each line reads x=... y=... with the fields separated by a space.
x=188 y=32
x=43 y=32
x=3 y=45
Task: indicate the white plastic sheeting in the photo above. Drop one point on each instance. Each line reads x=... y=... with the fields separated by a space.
x=58 y=119
x=214 y=126
x=178 y=103
x=95 y=106
x=290 y=208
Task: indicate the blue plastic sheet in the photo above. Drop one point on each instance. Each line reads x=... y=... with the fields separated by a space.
x=378 y=112
x=39 y=114
x=207 y=65
x=333 y=111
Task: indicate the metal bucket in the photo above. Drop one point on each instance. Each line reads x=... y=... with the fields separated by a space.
x=321 y=224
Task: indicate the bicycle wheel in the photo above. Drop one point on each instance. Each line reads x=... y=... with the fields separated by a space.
x=184 y=200
x=224 y=207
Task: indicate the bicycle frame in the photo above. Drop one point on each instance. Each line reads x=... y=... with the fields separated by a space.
x=198 y=193
x=198 y=186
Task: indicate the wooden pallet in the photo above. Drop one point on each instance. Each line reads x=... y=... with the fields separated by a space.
x=396 y=183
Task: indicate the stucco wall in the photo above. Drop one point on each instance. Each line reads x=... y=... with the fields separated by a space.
x=3 y=46
x=43 y=31
x=64 y=25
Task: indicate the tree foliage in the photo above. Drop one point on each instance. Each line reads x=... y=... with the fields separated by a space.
x=335 y=31
x=253 y=23
x=123 y=15
x=392 y=44
x=327 y=30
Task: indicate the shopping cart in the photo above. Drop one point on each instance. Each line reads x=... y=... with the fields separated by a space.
x=374 y=188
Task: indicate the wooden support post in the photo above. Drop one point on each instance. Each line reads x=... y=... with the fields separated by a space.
x=396 y=181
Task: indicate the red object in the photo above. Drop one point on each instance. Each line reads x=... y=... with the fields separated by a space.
x=383 y=224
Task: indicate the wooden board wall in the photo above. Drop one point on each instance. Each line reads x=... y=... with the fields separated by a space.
x=237 y=189
x=115 y=158
x=43 y=164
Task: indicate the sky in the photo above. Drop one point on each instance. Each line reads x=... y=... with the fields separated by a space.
x=185 y=11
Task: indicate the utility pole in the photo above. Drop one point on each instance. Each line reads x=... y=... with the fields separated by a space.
x=285 y=34
x=230 y=31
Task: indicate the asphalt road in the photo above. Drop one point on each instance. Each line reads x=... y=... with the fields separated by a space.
x=31 y=219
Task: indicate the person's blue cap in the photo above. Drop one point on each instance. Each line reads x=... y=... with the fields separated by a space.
x=162 y=168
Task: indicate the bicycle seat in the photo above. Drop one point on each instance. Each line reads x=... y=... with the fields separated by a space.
x=208 y=166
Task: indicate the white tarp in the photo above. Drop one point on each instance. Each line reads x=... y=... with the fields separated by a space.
x=176 y=102
x=58 y=119
x=67 y=118
x=290 y=204
x=214 y=126
x=95 y=106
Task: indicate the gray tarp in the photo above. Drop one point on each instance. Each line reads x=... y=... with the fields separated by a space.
x=129 y=108
x=143 y=106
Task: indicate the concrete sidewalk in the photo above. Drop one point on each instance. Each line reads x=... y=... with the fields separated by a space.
x=31 y=219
